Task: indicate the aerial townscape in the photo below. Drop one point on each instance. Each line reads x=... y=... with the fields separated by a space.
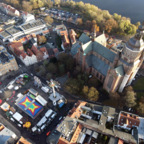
x=70 y=73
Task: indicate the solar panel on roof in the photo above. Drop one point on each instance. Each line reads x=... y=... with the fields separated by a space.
x=4 y=34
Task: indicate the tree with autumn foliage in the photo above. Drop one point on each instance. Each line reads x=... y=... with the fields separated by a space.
x=111 y=25
x=85 y=90
x=95 y=27
x=140 y=108
x=48 y=19
x=27 y=6
x=79 y=21
x=91 y=93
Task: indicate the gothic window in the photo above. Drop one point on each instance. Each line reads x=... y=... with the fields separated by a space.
x=109 y=84
x=97 y=75
x=100 y=77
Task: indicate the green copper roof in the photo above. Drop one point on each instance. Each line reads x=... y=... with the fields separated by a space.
x=120 y=70
x=98 y=64
x=74 y=48
x=84 y=38
x=101 y=50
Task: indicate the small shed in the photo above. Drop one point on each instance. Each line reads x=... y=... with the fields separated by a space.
x=5 y=106
x=17 y=116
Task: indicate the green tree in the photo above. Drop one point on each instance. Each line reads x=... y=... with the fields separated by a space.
x=45 y=62
x=85 y=90
x=49 y=76
x=61 y=68
x=63 y=57
x=72 y=86
x=57 y=2
x=117 y=17
x=58 y=41
x=130 y=98
x=114 y=95
x=79 y=21
x=137 y=24
x=26 y=6
x=48 y=3
x=48 y=19
x=93 y=82
x=70 y=63
x=93 y=94
x=42 y=39
x=16 y=3
x=52 y=68
x=94 y=26
x=34 y=4
x=106 y=14
x=140 y=108
x=40 y=3
x=42 y=70
x=126 y=27
x=111 y=25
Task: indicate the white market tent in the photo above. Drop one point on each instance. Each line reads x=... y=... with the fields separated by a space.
x=34 y=129
x=17 y=116
x=141 y=129
x=10 y=87
x=19 y=95
x=41 y=100
x=42 y=128
x=42 y=121
x=48 y=113
x=45 y=89
x=5 y=106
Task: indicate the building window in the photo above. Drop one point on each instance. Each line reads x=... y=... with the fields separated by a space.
x=101 y=77
x=110 y=82
x=97 y=75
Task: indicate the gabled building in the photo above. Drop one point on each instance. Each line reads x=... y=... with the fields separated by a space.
x=6 y=135
x=7 y=62
x=114 y=69
x=14 y=33
x=26 y=17
x=88 y=123
x=65 y=39
x=72 y=34
x=9 y=10
x=30 y=55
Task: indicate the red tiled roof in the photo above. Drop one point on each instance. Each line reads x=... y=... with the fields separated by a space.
x=43 y=49
x=23 y=55
x=63 y=33
x=39 y=55
x=129 y=119
x=46 y=31
x=15 y=44
x=120 y=141
x=55 y=50
x=34 y=49
x=29 y=52
x=24 y=13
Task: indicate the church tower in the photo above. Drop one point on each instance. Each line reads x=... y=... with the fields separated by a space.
x=93 y=33
x=131 y=59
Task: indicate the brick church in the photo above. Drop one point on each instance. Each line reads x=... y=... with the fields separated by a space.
x=114 y=70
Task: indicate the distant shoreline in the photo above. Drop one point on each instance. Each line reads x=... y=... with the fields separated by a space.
x=133 y=10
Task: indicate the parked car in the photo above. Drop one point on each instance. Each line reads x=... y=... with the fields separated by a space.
x=0 y=83
x=48 y=133
x=60 y=118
